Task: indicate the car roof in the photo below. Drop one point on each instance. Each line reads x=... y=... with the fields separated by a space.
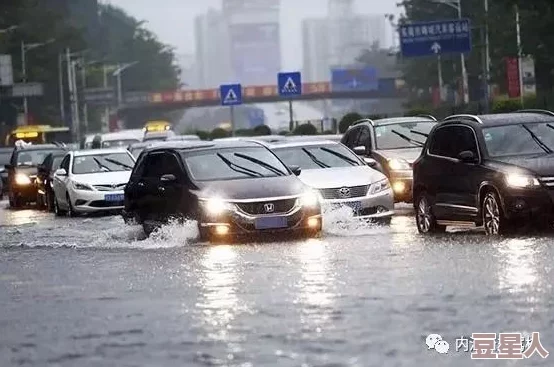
x=40 y=147
x=86 y=152
x=314 y=137
x=6 y=149
x=302 y=143
x=394 y=120
x=502 y=119
x=202 y=145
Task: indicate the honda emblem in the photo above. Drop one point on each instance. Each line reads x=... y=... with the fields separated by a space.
x=269 y=207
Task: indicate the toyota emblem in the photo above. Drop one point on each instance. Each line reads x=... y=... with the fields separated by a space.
x=269 y=207
x=114 y=186
x=344 y=192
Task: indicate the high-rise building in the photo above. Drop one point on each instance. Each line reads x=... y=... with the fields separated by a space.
x=315 y=50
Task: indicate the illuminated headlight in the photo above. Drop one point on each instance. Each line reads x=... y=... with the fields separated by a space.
x=521 y=181
x=81 y=186
x=22 y=179
x=309 y=200
x=380 y=186
x=215 y=206
x=399 y=164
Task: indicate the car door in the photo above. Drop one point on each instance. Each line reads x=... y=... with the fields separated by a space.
x=171 y=184
x=351 y=137
x=144 y=191
x=60 y=181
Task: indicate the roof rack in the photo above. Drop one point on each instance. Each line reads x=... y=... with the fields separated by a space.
x=427 y=116
x=464 y=116
x=543 y=112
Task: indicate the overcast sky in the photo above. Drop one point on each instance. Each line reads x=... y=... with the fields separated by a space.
x=172 y=20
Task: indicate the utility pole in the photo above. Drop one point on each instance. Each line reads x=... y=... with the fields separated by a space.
x=106 y=118
x=465 y=85
x=519 y=55
x=486 y=74
x=83 y=86
x=61 y=87
x=72 y=95
x=24 y=75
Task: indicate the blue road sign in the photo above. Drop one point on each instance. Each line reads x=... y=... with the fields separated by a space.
x=365 y=79
x=230 y=94
x=290 y=84
x=435 y=38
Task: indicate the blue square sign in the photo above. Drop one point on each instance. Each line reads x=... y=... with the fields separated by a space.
x=289 y=84
x=230 y=94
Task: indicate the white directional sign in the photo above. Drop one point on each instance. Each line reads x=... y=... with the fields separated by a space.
x=6 y=70
x=436 y=47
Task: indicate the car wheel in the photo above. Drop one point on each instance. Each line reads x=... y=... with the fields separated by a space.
x=494 y=221
x=49 y=202
x=203 y=234
x=57 y=210
x=425 y=220
x=149 y=227
x=40 y=202
x=70 y=210
x=15 y=203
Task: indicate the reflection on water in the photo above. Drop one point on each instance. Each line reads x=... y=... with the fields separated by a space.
x=317 y=283
x=19 y=217
x=518 y=272
x=218 y=301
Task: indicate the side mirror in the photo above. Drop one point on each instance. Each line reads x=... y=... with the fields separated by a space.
x=467 y=156
x=296 y=170
x=8 y=166
x=168 y=178
x=370 y=161
x=61 y=172
x=361 y=150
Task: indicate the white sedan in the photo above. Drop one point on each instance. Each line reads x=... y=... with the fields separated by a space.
x=92 y=181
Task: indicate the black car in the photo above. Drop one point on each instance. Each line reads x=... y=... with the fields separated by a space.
x=44 y=180
x=23 y=170
x=230 y=188
x=5 y=155
x=493 y=170
x=391 y=145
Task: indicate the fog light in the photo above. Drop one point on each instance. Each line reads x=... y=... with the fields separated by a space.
x=313 y=222
x=221 y=230
x=399 y=187
x=520 y=204
x=381 y=209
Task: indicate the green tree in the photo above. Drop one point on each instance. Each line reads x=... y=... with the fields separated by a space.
x=305 y=129
x=261 y=130
x=348 y=120
x=219 y=133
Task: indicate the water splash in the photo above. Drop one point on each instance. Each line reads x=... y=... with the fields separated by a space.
x=342 y=223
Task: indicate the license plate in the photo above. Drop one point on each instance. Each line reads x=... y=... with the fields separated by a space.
x=114 y=197
x=271 y=222
x=354 y=205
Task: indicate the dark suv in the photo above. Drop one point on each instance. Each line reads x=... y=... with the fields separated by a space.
x=230 y=188
x=493 y=170
x=391 y=145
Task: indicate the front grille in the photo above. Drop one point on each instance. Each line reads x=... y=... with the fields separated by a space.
x=292 y=221
x=344 y=192
x=116 y=187
x=106 y=204
x=259 y=207
x=547 y=181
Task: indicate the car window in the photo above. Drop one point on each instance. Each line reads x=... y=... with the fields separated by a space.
x=450 y=141
x=317 y=157
x=65 y=163
x=118 y=143
x=402 y=135
x=363 y=139
x=170 y=165
x=351 y=137
x=31 y=157
x=136 y=151
x=111 y=162
x=56 y=163
x=234 y=164
x=152 y=166
x=517 y=140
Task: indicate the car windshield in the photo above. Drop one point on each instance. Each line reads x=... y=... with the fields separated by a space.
x=111 y=162
x=234 y=164
x=318 y=156
x=32 y=157
x=5 y=158
x=520 y=139
x=402 y=135
x=118 y=143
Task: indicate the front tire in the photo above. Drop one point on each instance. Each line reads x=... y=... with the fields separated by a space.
x=425 y=219
x=494 y=220
x=57 y=210
x=70 y=209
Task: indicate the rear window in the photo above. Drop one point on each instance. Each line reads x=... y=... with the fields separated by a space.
x=31 y=158
x=5 y=158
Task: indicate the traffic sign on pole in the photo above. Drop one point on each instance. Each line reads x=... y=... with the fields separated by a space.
x=99 y=96
x=289 y=84
x=6 y=70
x=230 y=94
x=435 y=38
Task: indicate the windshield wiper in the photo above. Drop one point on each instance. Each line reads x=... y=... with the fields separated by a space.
x=341 y=156
x=314 y=158
x=419 y=133
x=261 y=163
x=415 y=142
x=101 y=165
x=537 y=140
x=116 y=162
x=240 y=169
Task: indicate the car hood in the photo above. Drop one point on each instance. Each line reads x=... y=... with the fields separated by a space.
x=326 y=178
x=104 y=178
x=542 y=165
x=252 y=188
x=408 y=154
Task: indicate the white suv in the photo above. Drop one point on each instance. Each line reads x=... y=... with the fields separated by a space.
x=92 y=181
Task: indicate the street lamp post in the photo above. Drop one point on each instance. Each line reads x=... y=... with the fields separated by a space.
x=519 y=55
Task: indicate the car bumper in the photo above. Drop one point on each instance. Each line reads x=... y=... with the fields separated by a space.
x=529 y=205
x=24 y=192
x=237 y=224
x=95 y=201
x=376 y=206
x=401 y=184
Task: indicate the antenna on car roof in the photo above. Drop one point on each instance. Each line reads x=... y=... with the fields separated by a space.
x=543 y=112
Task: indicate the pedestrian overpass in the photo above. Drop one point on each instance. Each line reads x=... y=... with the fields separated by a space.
x=139 y=107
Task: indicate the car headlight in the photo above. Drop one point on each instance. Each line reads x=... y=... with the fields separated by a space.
x=379 y=186
x=215 y=206
x=399 y=164
x=521 y=181
x=22 y=179
x=309 y=200
x=81 y=186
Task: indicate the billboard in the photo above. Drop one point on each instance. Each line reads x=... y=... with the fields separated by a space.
x=354 y=79
x=255 y=52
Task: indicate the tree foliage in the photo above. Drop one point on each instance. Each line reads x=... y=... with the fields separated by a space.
x=348 y=120
x=305 y=129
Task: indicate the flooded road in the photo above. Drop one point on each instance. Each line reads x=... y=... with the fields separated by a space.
x=94 y=292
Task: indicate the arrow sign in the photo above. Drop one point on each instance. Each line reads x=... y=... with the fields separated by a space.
x=436 y=47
